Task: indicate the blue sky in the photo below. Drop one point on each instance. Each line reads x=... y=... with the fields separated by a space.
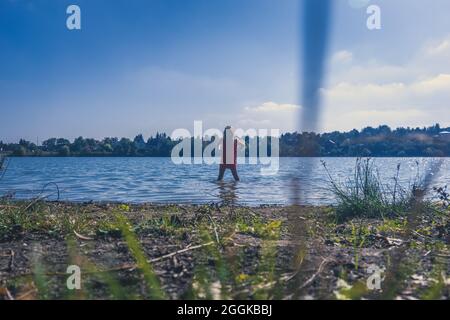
x=157 y=65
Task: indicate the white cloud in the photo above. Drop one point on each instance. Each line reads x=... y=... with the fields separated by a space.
x=440 y=83
x=342 y=57
x=270 y=115
x=438 y=48
x=268 y=107
x=416 y=93
x=420 y=103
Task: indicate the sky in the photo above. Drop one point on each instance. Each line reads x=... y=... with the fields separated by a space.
x=147 y=66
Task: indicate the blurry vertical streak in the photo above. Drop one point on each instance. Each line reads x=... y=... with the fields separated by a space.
x=315 y=32
x=315 y=25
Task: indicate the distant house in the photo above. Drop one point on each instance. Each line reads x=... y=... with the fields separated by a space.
x=445 y=135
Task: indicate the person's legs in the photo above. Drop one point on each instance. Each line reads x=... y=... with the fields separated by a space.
x=234 y=172
x=221 y=172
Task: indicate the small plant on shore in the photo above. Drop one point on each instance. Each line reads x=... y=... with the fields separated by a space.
x=443 y=196
x=359 y=236
x=365 y=195
x=259 y=228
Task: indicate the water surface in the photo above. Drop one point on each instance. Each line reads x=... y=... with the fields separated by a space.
x=158 y=180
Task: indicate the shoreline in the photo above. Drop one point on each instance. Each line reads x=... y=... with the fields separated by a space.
x=180 y=251
x=146 y=156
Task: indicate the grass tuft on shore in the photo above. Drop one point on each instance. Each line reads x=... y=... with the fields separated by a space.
x=363 y=195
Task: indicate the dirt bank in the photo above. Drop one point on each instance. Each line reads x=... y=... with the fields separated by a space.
x=173 y=251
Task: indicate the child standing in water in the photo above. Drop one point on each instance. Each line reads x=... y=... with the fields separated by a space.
x=229 y=148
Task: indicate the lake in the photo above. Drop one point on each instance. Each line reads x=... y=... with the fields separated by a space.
x=158 y=180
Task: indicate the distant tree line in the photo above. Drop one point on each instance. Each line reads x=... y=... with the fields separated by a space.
x=371 y=142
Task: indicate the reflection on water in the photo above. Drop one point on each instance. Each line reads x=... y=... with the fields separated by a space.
x=227 y=192
x=159 y=180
